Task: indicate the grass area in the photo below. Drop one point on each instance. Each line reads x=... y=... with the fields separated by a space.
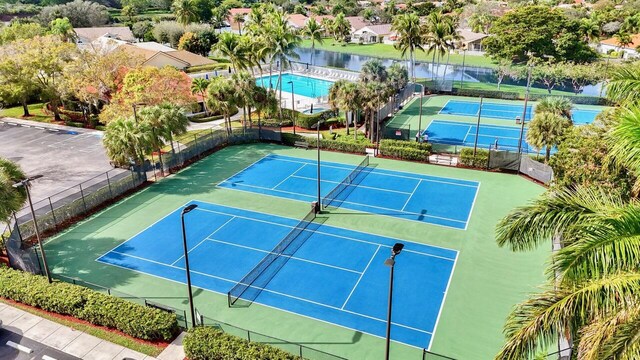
x=99 y=332
x=37 y=114
x=487 y=280
x=503 y=87
x=388 y=51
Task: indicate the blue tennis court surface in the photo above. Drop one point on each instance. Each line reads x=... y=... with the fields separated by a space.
x=464 y=134
x=508 y=112
x=435 y=200
x=337 y=275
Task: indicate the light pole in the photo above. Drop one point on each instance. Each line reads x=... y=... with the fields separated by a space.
x=464 y=55
x=293 y=108
x=318 y=148
x=420 y=116
x=25 y=184
x=524 y=111
x=606 y=76
x=391 y=262
x=186 y=210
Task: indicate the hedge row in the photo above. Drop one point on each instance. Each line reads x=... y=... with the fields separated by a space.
x=207 y=343
x=405 y=150
x=85 y=304
x=481 y=160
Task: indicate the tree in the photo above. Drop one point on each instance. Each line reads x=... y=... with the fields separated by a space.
x=373 y=71
x=80 y=13
x=199 y=87
x=314 y=31
x=397 y=76
x=11 y=199
x=221 y=99
x=233 y=47
x=185 y=11
x=238 y=19
x=539 y=31
x=127 y=141
x=166 y=121
x=481 y=23
x=560 y=106
x=623 y=39
x=129 y=11
x=245 y=86
x=590 y=28
x=505 y=68
x=203 y=10
x=62 y=27
x=219 y=16
x=439 y=32
x=17 y=31
x=151 y=86
x=549 y=74
x=409 y=37
x=624 y=85
x=341 y=28
x=140 y=29
x=582 y=75
x=546 y=130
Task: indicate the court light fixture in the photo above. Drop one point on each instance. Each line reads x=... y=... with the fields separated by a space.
x=25 y=184
x=187 y=210
x=390 y=262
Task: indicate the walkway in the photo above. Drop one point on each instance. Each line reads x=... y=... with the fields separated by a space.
x=74 y=342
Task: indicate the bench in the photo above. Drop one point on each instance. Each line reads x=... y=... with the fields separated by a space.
x=301 y=144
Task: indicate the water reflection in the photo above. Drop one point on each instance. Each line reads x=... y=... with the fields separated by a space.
x=423 y=70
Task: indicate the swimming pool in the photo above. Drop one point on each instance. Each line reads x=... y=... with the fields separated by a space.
x=302 y=85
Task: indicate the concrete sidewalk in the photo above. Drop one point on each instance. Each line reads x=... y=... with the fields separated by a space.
x=75 y=342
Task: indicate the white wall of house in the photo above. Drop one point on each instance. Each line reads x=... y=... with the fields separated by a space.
x=627 y=53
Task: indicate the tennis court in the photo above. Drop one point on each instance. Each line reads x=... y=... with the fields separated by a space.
x=435 y=200
x=507 y=112
x=334 y=275
x=464 y=134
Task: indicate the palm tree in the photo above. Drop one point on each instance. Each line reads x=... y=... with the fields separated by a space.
x=623 y=39
x=219 y=16
x=199 y=86
x=127 y=141
x=341 y=28
x=546 y=130
x=624 y=85
x=409 y=32
x=314 y=31
x=245 y=87
x=397 y=76
x=232 y=47
x=561 y=106
x=338 y=97
x=590 y=28
x=373 y=71
x=375 y=94
x=11 y=199
x=222 y=97
x=166 y=121
x=239 y=19
x=440 y=35
x=185 y=11
x=481 y=23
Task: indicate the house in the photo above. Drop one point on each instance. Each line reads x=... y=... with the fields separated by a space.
x=357 y=22
x=297 y=21
x=86 y=36
x=472 y=41
x=373 y=34
x=158 y=55
x=233 y=13
x=628 y=52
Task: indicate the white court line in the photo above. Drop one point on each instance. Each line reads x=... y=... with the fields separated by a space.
x=473 y=204
x=444 y=298
x=342 y=236
x=411 y=195
x=245 y=168
x=358 y=186
x=287 y=178
x=282 y=255
x=360 y=278
x=205 y=238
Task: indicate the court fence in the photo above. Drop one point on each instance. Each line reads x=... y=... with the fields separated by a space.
x=60 y=210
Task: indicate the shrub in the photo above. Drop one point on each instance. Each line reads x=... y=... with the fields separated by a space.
x=308 y=121
x=207 y=343
x=495 y=94
x=479 y=161
x=209 y=67
x=97 y=308
x=405 y=150
x=340 y=145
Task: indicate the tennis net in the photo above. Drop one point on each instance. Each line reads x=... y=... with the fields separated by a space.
x=257 y=279
x=338 y=193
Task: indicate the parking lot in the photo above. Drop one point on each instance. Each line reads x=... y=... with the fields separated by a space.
x=65 y=156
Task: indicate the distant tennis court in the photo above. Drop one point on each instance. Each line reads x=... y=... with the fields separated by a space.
x=334 y=275
x=464 y=134
x=507 y=112
x=435 y=200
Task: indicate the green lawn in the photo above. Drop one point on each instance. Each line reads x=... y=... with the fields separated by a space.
x=388 y=51
x=503 y=87
x=34 y=109
x=487 y=280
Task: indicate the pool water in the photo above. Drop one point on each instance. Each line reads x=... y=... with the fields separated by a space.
x=302 y=85
x=315 y=110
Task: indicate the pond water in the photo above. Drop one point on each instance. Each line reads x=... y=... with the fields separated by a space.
x=423 y=70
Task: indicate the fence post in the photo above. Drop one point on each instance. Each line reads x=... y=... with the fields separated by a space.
x=249 y=335
x=300 y=346
x=109 y=185
x=53 y=214
x=15 y=218
x=82 y=195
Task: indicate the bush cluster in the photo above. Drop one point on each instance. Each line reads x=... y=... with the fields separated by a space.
x=481 y=160
x=405 y=150
x=308 y=121
x=207 y=343
x=85 y=304
x=340 y=145
x=495 y=94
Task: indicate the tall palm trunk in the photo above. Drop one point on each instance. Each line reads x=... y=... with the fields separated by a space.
x=355 y=127
x=413 y=64
x=433 y=60
x=280 y=87
x=444 y=74
x=313 y=47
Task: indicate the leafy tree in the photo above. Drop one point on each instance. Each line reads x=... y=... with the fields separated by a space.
x=590 y=28
x=231 y=4
x=185 y=11
x=11 y=199
x=137 y=5
x=79 y=12
x=481 y=23
x=546 y=130
x=582 y=75
x=314 y=31
x=17 y=31
x=62 y=27
x=140 y=29
x=219 y=16
x=410 y=38
x=549 y=74
x=505 y=69
x=539 y=31
x=624 y=85
x=341 y=28
x=150 y=86
x=203 y=9
x=129 y=11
